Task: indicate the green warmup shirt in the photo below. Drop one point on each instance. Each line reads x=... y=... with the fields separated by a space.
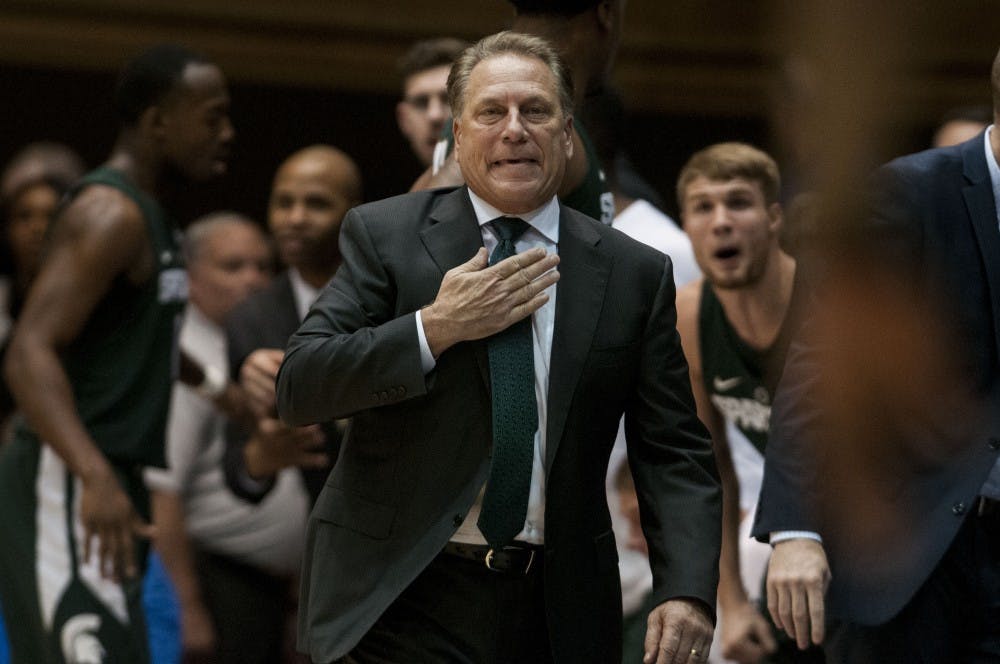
x=123 y=362
x=740 y=380
x=591 y=196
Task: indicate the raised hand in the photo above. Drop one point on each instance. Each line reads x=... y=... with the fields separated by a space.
x=476 y=300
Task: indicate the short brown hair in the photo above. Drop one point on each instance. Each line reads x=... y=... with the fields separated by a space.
x=501 y=43
x=428 y=54
x=726 y=161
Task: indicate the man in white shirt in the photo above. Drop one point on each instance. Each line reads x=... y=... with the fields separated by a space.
x=230 y=562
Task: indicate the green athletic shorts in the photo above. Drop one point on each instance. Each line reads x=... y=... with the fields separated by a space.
x=57 y=609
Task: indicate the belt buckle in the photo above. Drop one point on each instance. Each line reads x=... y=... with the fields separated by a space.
x=492 y=552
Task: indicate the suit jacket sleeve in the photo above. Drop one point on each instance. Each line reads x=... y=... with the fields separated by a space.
x=355 y=350
x=890 y=239
x=673 y=464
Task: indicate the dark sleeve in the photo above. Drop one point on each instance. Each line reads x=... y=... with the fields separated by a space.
x=234 y=468
x=353 y=351
x=890 y=239
x=673 y=464
x=787 y=497
x=241 y=340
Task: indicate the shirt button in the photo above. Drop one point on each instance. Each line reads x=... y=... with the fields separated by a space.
x=958 y=509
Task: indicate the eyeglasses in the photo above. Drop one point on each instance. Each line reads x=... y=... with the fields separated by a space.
x=423 y=101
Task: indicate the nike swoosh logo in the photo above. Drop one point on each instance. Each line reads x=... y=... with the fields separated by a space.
x=726 y=384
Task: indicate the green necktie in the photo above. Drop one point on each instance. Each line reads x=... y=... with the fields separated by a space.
x=515 y=413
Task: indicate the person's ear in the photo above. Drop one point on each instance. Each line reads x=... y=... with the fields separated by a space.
x=456 y=132
x=777 y=217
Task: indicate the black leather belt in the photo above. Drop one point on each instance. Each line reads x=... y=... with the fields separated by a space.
x=519 y=558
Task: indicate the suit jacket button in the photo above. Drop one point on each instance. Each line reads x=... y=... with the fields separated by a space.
x=958 y=509
x=457 y=520
x=994 y=443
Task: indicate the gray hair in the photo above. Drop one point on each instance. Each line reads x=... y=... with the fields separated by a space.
x=501 y=43
x=203 y=227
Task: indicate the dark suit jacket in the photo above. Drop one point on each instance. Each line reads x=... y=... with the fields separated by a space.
x=266 y=319
x=416 y=453
x=934 y=221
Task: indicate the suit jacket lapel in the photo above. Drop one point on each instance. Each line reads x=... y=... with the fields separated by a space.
x=451 y=239
x=982 y=213
x=584 y=272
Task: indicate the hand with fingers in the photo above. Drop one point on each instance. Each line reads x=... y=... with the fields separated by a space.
x=745 y=634
x=257 y=376
x=797 y=578
x=110 y=523
x=275 y=446
x=477 y=300
x=678 y=631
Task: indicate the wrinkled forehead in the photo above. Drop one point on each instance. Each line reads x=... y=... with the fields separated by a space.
x=511 y=72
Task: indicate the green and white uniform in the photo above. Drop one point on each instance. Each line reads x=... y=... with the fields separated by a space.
x=120 y=367
x=740 y=380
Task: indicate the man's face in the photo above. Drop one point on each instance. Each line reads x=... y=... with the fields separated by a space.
x=193 y=128
x=732 y=229
x=233 y=262
x=306 y=207
x=424 y=110
x=31 y=211
x=512 y=140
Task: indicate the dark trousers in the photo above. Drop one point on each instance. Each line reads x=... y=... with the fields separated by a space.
x=954 y=617
x=250 y=608
x=457 y=611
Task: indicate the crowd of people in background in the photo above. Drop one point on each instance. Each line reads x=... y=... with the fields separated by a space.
x=161 y=456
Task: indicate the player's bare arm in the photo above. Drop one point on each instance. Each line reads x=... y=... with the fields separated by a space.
x=100 y=237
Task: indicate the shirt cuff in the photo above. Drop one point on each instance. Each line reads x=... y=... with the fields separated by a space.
x=427 y=361
x=785 y=535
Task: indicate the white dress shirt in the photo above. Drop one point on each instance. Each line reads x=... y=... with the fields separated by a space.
x=544 y=233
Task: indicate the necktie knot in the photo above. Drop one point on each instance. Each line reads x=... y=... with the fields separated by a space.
x=509 y=228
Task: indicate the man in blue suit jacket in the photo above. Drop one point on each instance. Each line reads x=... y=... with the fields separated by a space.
x=910 y=524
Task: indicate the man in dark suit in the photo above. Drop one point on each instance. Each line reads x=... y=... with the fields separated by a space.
x=312 y=191
x=424 y=344
x=894 y=489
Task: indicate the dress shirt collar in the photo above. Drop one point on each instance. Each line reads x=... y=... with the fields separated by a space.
x=991 y=164
x=545 y=219
x=304 y=293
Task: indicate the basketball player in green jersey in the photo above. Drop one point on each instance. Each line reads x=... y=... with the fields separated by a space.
x=735 y=327
x=91 y=364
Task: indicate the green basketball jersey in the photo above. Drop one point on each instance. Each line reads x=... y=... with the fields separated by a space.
x=739 y=379
x=124 y=360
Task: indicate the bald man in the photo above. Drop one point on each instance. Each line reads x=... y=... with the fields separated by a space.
x=312 y=191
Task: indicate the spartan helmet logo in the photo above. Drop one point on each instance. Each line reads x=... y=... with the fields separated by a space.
x=79 y=640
